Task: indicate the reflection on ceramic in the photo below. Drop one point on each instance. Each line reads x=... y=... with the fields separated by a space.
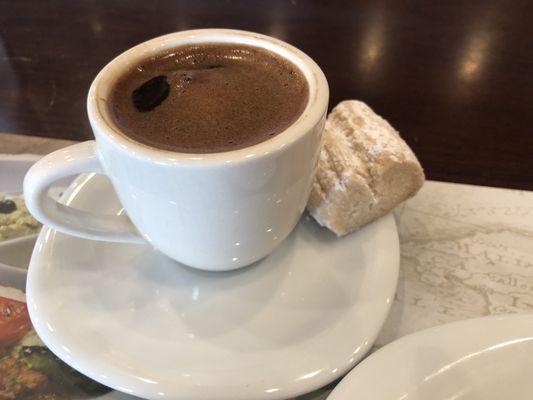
x=137 y=321
x=486 y=358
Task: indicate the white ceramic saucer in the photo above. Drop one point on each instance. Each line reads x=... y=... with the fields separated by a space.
x=141 y=323
x=488 y=358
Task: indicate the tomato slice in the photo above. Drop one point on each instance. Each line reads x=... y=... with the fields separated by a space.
x=14 y=321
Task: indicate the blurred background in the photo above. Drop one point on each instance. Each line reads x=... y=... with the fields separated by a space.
x=454 y=77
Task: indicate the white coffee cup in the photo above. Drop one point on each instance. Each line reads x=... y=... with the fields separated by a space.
x=215 y=211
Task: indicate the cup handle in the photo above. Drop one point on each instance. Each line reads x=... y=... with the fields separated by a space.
x=70 y=161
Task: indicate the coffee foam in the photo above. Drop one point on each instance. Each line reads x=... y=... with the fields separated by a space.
x=208 y=98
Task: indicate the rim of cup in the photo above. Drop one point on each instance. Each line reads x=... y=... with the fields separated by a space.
x=105 y=129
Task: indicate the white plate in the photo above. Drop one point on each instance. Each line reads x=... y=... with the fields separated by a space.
x=12 y=171
x=16 y=252
x=16 y=277
x=139 y=322
x=488 y=358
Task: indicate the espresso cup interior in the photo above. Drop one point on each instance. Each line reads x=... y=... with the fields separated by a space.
x=99 y=95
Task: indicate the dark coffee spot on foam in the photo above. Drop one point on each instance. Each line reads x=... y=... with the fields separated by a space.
x=151 y=93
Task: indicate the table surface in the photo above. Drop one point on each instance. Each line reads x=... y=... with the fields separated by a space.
x=455 y=77
x=466 y=251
